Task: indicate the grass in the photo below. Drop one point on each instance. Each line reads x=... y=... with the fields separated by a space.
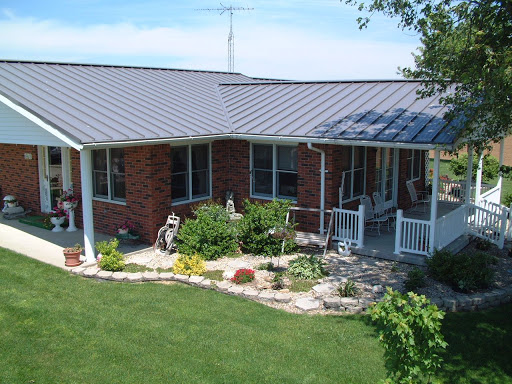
x=133 y=268
x=60 y=328
x=298 y=285
x=214 y=275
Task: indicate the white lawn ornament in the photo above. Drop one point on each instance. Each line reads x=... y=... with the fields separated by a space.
x=344 y=247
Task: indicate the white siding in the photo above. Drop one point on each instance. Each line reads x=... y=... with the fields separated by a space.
x=17 y=129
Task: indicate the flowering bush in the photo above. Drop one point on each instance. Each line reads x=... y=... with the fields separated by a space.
x=68 y=196
x=126 y=226
x=243 y=276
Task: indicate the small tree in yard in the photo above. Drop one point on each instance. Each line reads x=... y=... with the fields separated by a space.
x=459 y=166
x=410 y=331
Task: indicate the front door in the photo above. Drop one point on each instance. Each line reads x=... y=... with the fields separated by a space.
x=386 y=175
x=54 y=177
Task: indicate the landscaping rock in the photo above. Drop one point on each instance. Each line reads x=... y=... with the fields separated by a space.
x=90 y=272
x=349 y=301
x=78 y=270
x=450 y=304
x=378 y=289
x=236 y=289
x=206 y=283
x=336 y=279
x=119 y=276
x=166 y=276
x=150 y=276
x=282 y=297
x=251 y=293
x=354 y=310
x=366 y=302
x=195 y=279
x=266 y=295
x=324 y=289
x=224 y=285
x=107 y=275
x=181 y=277
x=307 y=304
x=332 y=302
x=238 y=264
x=134 y=277
x=228 y=275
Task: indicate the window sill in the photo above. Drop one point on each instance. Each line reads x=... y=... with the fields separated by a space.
x=294 y=201
x=109 y=201
x=181 y=202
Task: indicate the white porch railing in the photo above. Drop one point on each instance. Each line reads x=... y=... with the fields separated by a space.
x=349 y=225
x=412 y=235
x=452 y=191
x=486 y=224
x=491 y=199
x=450 y=227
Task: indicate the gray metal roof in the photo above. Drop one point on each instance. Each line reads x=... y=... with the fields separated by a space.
x=384 y=111
x=105 y=104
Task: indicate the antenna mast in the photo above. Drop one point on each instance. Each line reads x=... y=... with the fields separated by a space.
x=231 y=36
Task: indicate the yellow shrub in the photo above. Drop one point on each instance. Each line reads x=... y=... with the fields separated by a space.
x=189 y=265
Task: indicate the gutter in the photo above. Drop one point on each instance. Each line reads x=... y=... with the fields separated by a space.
x=322 y=185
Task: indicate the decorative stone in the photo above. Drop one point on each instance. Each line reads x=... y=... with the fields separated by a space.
x=307 y=304
x=238 y=264
x=336 y=279
x=450 y=304
x=378 y=289
x=206 y=283
x=89 y=272
x=332 y=302
x=150 y=275
x=477 y=299
x=354 y=310
x=227 y=275
x=166 y=276
x=107 y=275
x=134 y=277
x=78 y=270
x=349 y=301
x=195 y=279
x=119 y=276
x=223 y=285
x=266 y=295
x=282 y=297
x=324 y=289
x=181 y=277
x=366 y=302
x=236 y=289
x=250 y=292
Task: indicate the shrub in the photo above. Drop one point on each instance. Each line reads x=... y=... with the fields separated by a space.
x=307 y=267
x=483 y=245
x=243 y=276
x=463 y=272
x=459 y=166
x=189 y=265
x=415 y=279
x=348 y=289
x=210 y=235
x=265 y=267
x=106 y=247
x=410 y=331
x=113 y=261
x=507 y=199
x=259 y=221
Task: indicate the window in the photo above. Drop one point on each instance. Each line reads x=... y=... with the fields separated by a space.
x=274 y=171
x=353 y=166
x=108 y=174
x=190 y=169
x=413 y=164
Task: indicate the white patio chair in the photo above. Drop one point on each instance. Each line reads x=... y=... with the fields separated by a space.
x=417 y=197
x=381 y=210
x=371 y=218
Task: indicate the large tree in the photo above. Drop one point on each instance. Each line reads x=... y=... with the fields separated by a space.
x=466 y=55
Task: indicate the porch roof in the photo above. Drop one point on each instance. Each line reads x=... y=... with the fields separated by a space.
x=94 y=104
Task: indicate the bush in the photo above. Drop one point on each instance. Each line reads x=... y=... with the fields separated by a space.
x=415 y=279
x=307 y=267
x=243 y=276
x=189 y=265
x=210 y=235
x=348 y=289
x=106 y=247
x=459 y=166
x=111 y=258
x=507 y=199
x=463 y=272
x=410 y=331
x=259 y=221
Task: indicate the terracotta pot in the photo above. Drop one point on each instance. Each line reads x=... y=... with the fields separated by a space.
x=72 y=258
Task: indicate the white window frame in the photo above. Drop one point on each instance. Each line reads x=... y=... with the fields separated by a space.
x=109 y=198
x=351 y=170
x=275 y=171
x=411 y=158
x=189 y=172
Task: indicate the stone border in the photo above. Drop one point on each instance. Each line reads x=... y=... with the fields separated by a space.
x=320 y=302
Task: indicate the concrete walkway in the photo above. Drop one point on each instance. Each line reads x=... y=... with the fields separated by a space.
x=46 y=246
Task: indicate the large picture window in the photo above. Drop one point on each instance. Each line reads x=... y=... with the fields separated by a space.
x=274 y=171
x=190 y=172
x=354 y=169
x=413 y=164
x=109 y=174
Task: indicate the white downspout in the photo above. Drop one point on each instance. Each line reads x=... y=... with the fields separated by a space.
x=322 y=185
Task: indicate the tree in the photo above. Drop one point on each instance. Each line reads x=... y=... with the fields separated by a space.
x=466 y=56
x=459 y=166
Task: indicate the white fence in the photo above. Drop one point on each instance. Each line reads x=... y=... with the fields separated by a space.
x=486 y=224
x=412 y=235
x=349 y=225
x=452 y=191
x=491 y=198
x=450 y=226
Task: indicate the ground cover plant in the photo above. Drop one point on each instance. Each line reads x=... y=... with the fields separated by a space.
x=189 y=265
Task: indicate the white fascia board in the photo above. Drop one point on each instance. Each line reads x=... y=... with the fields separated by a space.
x=36 y=120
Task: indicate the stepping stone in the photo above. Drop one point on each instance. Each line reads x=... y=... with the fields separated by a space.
x=266 y=295
x=181 y=277
x=166 y=276
x=332 y=302
x=149 y=276
x=206 y=283
x=307 y=304
x=252 y=293
x=238 y=264
x=282 y=297
x=236 y=289
x=119 y=276
x=107 y=275
x=134 y=277
x=324 y=289
x=224 y=285
x=195 y=279
x=89 y=272
x=78 y=270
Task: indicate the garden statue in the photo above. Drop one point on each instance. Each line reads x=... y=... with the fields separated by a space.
x=344 y=247
x=230 y=203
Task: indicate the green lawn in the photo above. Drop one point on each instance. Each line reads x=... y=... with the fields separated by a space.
x=60 y=328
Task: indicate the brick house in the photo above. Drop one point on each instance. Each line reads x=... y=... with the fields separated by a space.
x=140 y=143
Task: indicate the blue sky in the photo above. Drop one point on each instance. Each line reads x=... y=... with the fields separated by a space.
x=288 y=39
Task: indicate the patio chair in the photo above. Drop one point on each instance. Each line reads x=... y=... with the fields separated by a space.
x=381 y=209
x=370 y=216
x=417 y=197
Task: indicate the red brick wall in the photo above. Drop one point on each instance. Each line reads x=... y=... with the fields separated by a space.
x=19 y=176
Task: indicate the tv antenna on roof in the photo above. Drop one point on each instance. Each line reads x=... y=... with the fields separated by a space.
x=231 y=36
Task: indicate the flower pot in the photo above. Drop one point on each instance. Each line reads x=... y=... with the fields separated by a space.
x=122 y=231
x=72 y=258
x=57 y=221
x=70 y=205
x=11 y=205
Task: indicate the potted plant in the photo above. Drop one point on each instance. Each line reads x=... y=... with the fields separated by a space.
x=56 y=217
x=125 y=228
x=12 y=202
x=69 y=199
x=72 y=255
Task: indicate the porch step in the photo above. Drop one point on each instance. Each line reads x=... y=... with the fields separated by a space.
x=307 y=239
x=402 y=258
x=458 y=244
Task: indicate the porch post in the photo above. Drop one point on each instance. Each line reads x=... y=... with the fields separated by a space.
x=500 y=174
x=479 y=177
x=86 y=178
x=398 y=231
x=469 y=174
x=433 y=203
